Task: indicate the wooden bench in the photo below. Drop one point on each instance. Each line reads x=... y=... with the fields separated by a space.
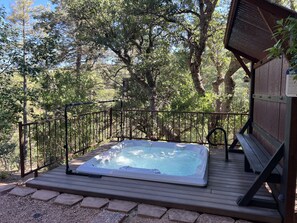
x=259 y=161
x=256 y=157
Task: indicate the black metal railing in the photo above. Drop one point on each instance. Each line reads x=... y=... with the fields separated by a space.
x=189 y=127
x=83 y=131
x=41 y=145
x=49 y=142
x=213 y=131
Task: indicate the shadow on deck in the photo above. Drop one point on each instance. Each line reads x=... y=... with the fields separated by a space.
x=227 y=180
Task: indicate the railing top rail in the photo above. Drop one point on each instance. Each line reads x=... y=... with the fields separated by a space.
x=41 y=122
x=88 y=113
x=130 y=110
x=213 y=113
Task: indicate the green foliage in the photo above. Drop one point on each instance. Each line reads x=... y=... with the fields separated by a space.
x=83 y=49
x=9 y=94
x=286 y=35
x=4 y=175
x=139 y=41
x=21 y=18
x=59 y=87
x=8 y=40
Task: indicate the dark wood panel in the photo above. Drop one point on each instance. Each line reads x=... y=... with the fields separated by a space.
x=274 y=77
x=270 y=115
x=264 y=74
x=257 y=81
x=273 y=119
x=270 y=80
x=260 y=113
x=257 y=111
x=227 y=181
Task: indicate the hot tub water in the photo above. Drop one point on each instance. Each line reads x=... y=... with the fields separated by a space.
x=156 y=161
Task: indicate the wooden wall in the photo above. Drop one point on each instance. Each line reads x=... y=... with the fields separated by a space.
x=270 y=103
x=275 y=122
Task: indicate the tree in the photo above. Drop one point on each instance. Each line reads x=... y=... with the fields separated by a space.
x=8 y=40
x=224 y=63
x=9 y=95
x=292 y=4
x=69 y=53
x=24 y=63
x=58 y=88
x=21 y=15
x=139 y=42
x=191 y=25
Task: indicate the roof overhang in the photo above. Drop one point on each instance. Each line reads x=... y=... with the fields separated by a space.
x=250 y=27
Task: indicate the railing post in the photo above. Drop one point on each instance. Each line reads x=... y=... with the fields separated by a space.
x=21 y=144
x=66 y=140
x=110 y=122
x=225 y=140
x=130 y=127
x=121 y=124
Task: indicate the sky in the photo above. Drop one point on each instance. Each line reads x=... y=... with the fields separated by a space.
x=7 y=3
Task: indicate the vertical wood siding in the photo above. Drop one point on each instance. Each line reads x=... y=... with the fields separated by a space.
x=269 y=115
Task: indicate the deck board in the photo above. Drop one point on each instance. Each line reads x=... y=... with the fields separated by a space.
x=226 y=182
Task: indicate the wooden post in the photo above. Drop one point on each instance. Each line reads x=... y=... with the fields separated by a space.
x=252 y=101
x=288 y=185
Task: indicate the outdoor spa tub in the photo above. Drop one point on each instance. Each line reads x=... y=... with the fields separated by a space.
x=177 y=163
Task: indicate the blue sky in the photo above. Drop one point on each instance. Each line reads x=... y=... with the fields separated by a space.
x=7 y=3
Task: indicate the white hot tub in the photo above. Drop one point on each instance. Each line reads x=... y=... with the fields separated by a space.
x=177 y=163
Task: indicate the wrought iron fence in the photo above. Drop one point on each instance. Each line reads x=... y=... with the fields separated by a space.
x=175 y=126
x=49 y=142
x=41 y=145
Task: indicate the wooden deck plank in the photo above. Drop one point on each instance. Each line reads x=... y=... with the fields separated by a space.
x=216 y=181
x=226 y=182
x=229 y=185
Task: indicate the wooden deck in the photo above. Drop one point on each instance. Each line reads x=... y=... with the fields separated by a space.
x=227 y=181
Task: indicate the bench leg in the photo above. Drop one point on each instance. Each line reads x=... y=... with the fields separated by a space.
x=247 y=166
x=234 y=143
x=246 y=199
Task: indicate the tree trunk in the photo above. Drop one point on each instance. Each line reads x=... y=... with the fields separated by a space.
x=197 y=48
x=25 y=91
x=216 y=89
x=194 y=62
x=25 y=88
x=229 y=89
x=229 y=92
x=153 y=99
x=229 y=83
x=197 y=79
x=78 y=69
x=153 y=108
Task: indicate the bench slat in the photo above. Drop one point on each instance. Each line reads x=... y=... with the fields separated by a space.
x=278 y=169
x=257 y=156
x=262 y=154
x=251 y=156
x=258 y=150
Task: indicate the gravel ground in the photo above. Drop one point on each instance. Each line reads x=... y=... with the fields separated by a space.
x=24 y=209
x=15 y=209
